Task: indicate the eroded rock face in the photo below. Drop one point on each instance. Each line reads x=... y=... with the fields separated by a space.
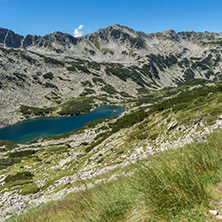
x=9 y=39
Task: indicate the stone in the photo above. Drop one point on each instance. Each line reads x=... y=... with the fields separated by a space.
x=214 y=212
x=219 y=217
x=171 y=125
x=201 y=124
x=181 y=128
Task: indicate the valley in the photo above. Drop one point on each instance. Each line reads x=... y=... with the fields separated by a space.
x=170 y=86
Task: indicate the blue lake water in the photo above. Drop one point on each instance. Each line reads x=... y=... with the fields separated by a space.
x=29 y=130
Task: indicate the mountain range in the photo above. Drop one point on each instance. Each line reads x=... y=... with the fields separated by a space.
x=112 y=64
x=155 y=162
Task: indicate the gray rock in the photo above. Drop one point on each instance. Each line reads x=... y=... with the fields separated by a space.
x=219 y=217
x=214 y=212
x=172 y=125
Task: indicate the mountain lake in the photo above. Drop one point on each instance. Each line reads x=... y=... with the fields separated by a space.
x=32 y=129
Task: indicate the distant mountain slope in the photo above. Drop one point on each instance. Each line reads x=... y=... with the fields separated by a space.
x=113 y=63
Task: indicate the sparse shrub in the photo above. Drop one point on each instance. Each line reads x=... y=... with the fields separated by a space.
x=50 y=85
x=22 y=153
x=8 y=144
x=98 y=80
x=28 y=110
x=77 y=108
x=53 y=61
x=26 y=175
x=30 y=189
x=8 y=162
x=87 y=91
x=109 y=89
x=48 y=75
x=87 y=83
x=76 y=66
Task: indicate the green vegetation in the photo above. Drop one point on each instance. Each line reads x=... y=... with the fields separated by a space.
x=27 y=58
x=132 y=72
x=71 y=68
x=30 y=189
x=20 y=76
x=92 y=52
x=26 y=175
x=181 y=180
x=23 y=153
x=124 y=94
x=87 y=83
x=123 y=122
x=93 y=65
x=78 y=67
x=105 y=51
x=137 y=42
x=109 y=89
x=186 y=97
x=176 y=185
x=97 y=45
x=162 y=62
x=53 y=61
x=17 y=181
x=64 y=79
x=35 y=111
x=48 y=75
x=188 y=74
x=87 y=91
x=8 y=144
x=8 y=162
x=50 y=85
x=98 y=80
x=76 y=107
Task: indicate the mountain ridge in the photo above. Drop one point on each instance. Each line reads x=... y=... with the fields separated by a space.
x=4 y=33
x=114 y=63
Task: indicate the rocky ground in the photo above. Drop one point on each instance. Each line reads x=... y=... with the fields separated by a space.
x=90 y=169
x=113 y=65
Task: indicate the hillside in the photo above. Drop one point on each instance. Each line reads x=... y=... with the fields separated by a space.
x=101 y=151
x=169 y=84
x=111 y=64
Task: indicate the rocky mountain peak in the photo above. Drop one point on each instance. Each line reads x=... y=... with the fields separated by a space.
x=168 y=34
x=9 y=38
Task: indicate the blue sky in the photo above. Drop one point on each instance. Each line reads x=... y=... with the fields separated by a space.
x=46 y=16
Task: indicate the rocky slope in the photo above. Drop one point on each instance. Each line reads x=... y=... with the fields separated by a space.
x=111 y=64
x=52 y=167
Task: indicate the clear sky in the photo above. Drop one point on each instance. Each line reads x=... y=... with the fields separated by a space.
x=46 y=16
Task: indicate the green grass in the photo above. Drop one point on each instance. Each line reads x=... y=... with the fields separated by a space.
x=23 y=153
x=26 y=175
x=8 y=144
x=29 y=189
x=173 y=186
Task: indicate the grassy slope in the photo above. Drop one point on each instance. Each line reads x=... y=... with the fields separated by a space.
x=172 y=186
x=176 y=185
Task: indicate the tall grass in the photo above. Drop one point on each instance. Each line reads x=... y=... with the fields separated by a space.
x=170 y=187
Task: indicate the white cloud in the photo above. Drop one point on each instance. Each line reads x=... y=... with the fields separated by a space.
x=78 y=31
